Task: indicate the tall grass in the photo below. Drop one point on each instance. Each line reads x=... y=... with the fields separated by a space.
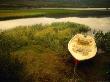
x=39 y=53
x=103 y=40
x=52 y=36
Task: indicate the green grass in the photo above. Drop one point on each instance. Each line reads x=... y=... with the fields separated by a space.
x=14 y=14
x=39 y=54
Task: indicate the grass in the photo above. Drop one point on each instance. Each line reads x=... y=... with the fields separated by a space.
x=14 y=14
x=103 y=40
x=39 y=54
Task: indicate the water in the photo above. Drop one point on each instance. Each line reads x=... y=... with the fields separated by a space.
x=94 y=23
x=77 y=8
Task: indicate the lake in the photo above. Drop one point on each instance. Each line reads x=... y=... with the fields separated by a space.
x=77 y=8
x=102 y=23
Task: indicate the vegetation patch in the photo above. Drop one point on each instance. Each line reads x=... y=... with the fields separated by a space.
x=39 y=54
x=24 y=13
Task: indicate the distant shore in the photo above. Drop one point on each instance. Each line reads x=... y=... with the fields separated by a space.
x=51 y=12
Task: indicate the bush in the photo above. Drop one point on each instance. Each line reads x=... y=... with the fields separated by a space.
x=103 y=40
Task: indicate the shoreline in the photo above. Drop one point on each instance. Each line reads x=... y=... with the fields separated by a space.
x=52 y=13
x=94 y=23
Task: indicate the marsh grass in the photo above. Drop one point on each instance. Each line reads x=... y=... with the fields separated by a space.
x=23 y=13
x=39 y=53
x=52 y=36
x=103 y=40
